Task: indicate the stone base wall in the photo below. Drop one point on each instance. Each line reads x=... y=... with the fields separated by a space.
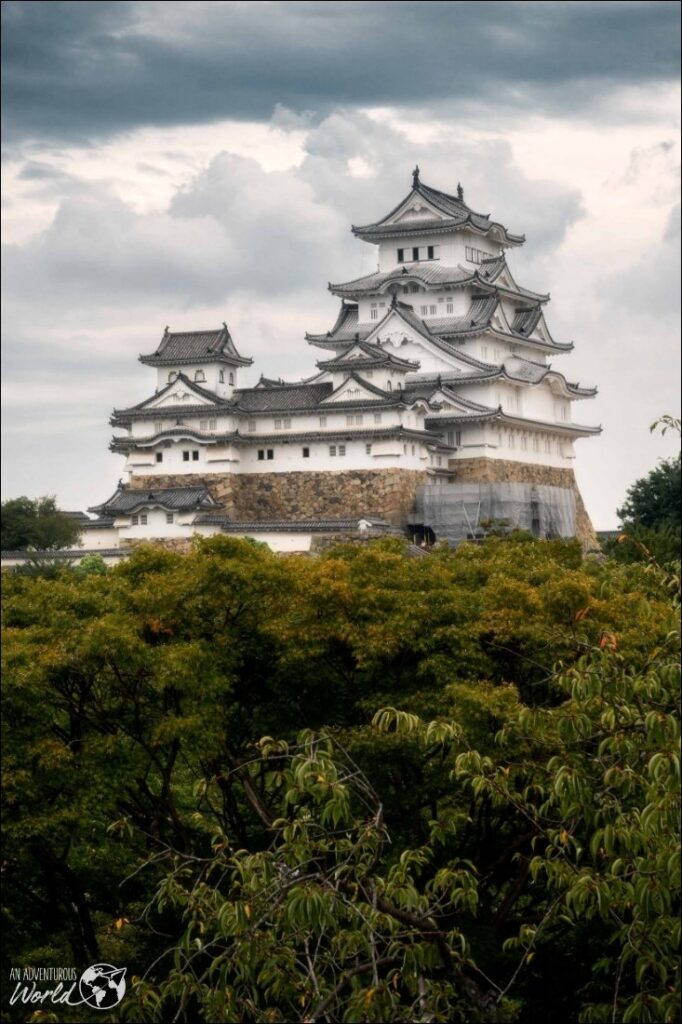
x=386 y=492
x=335 y=495
x=502 y=471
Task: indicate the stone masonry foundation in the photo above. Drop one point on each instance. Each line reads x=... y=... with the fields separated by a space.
x=329 y=495
x=334 y=495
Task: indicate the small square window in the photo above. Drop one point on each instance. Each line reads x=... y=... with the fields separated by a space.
x=195 y=456
x=159 y=456
x=306 y=453
x=252 y=425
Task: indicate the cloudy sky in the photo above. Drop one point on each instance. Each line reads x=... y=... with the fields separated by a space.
x=188 y=163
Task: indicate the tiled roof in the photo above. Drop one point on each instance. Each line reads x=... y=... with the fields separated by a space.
x=427 y=273
x=456 y=213
x=344 y=330
x=131 y=442
x=373 y=355
x=281 y=398
x=339 y=433
x=196 y=347
x=180 y=499
x=526 y=320
x=217 y=403
x=295 y=525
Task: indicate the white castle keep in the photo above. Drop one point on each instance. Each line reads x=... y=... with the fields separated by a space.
x=435 y=408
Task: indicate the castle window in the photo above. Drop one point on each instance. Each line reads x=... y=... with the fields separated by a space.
x=286 y=423
x=404 y=449
x=536 y=444
x=429 y=252
x=323 y=421
x=458 y=438
x=332 y=450
x=195 y=456
x=271 y=453
x=433 y=310
x=415 y=253
x=350 y=420
x=221 y=376
x=369 y=373
x=278 y=424
x=231 y=378
x=377 y=417
x=203 y=424
x=368 y=449
x=389 y=386
x=135 y=520
x=439 y=461
x=423 y=310
x=185 y=456
x=261 y=454
x=342 y=449
x=200 y=375
x=306 y=453
x=143 y=519
x=449 y=308
x=401 y=255
x=374 y=314
x=212 y=424
x=158 y=426
x=413 y=449
x=170 y=518
x=159 y=456
x=252 y=425
x=414 y=288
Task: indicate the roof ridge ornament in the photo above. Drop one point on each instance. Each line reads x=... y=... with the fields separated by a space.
x=415 y=177
x=460 y=192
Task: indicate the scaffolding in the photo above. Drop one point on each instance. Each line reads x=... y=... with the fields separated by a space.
x=469 y=511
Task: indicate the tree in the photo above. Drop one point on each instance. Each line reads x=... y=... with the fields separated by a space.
x=134 y=706
x=654 y=501
x=36 y=523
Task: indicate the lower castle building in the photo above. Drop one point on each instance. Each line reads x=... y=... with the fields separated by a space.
x=435 y=411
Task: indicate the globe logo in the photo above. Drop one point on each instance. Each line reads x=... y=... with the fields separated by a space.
x=102 y=986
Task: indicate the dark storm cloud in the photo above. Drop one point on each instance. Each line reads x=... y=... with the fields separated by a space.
x=79 y=70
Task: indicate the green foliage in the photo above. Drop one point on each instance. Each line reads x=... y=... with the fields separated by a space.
x=655 y=501
x=163 y=809
x=36 y=523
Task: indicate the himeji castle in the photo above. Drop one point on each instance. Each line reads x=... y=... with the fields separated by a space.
x=439 y=408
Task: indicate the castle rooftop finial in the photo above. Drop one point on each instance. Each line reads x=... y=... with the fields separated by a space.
x=460 y=192
x=415 y=177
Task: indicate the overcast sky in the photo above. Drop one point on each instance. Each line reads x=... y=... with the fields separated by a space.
x=188 y=163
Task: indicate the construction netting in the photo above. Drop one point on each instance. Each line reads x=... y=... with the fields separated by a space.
x=470 y=511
